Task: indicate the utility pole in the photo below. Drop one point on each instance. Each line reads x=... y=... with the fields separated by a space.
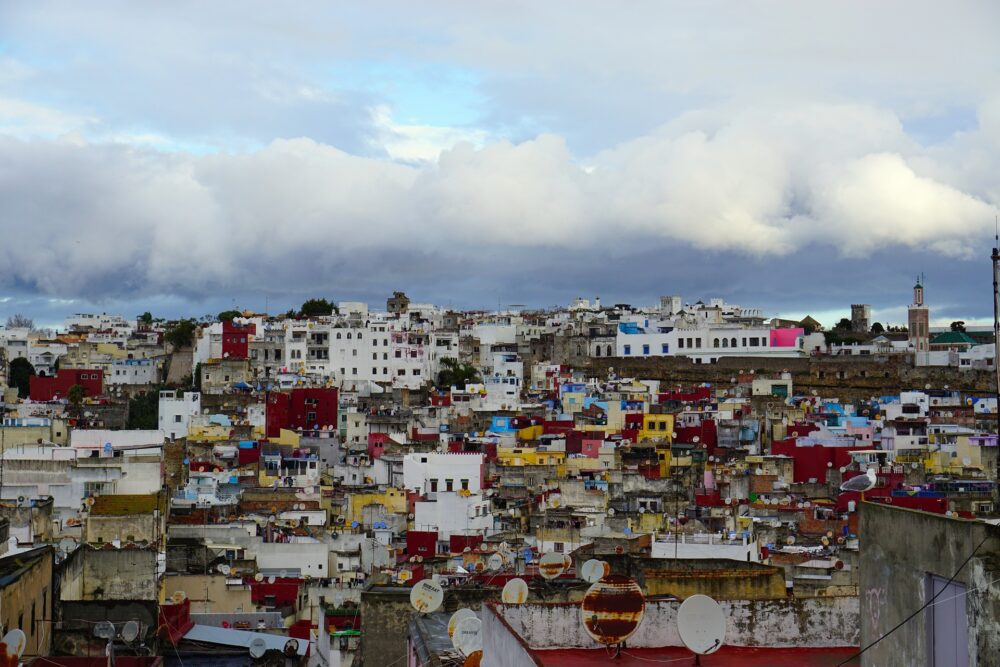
x=996 y=334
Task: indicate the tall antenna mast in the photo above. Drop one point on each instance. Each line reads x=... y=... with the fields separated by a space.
x=996 y=323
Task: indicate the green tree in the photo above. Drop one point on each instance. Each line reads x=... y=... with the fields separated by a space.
x=146 y=318
x=228 y=315
x=142 y=410
x=315 y=307
x=877 y=328
x=456 y=374
x=75 y=395
x=19 y=375
x=181 y=333
x=958 y=326
x=844 y=324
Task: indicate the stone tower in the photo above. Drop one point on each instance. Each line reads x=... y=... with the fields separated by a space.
x=918 y=324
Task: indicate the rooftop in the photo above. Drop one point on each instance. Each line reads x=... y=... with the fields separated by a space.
x=727 y=656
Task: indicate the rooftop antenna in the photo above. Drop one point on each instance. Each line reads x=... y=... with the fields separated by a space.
x=996 y=317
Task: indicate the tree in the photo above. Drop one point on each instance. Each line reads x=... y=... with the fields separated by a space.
x=315 y=307
x=19 y=321
x=228 y=315
x=146 y=318
x=844 y=324
x=877 y=328
x=75 y=395
x=181 y=333
x=19 y=375
x=456 y=374
x=958 y=326
x=142 y=410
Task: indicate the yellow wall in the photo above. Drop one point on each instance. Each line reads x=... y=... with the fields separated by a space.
x=660 y=427
x=527 y=456
x=392 y=499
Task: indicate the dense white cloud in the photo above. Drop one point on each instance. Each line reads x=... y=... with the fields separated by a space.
x=763 y=182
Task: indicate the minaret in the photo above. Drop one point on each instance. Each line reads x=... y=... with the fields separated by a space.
x=918 y=322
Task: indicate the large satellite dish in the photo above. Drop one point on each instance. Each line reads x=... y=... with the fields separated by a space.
x=457 y=618
x=551 y=565
x=130 y=631
x=515 y=591
x=495 y=562
x=426 y=596
x=224 y=569
x=594 y=570
x=701 y=624
x=258 y=647
x=468 y=637
x=15 y=641
x=104 y=630
x=612 y=609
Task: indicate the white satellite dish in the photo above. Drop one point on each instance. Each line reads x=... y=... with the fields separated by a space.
x=611 y=511
x=551 y=565
x=130 y=632
x=593 y=570
x=426 y=596
x=271 y=579
x=258 y=647
x=258 y=577
x=515 y=591
x=457 y=618
x=224 y=569
x=494 y=563
x=15 y=641
x=701 y=624
x=468 y=637
x=104 y=630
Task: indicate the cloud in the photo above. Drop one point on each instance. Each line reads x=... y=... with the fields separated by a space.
x=93 y=220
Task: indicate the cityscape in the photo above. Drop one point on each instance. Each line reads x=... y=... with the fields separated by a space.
x=499 y=334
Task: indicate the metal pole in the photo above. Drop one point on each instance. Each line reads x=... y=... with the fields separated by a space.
x=996 y=335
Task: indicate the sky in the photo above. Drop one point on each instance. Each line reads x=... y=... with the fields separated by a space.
x=187 y=157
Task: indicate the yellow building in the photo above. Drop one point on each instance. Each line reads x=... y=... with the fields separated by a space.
x=657 y=427
x=392 y=500
x=529 y=456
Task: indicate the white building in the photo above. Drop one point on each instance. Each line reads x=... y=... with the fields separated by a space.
x=176 y=412
x=132 y=371
x=454 y=514
x=430 y=472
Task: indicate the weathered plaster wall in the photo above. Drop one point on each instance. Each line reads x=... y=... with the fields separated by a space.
x=815 y=622
x=900 y=549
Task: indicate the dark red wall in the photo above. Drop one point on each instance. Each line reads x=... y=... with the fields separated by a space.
x=421 y=543
x=50 y=388
x=236 y=340
x=291 y=409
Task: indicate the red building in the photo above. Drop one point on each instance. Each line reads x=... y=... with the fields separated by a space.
x=301 y=409
x=236 y=340
x=421 y=543
x=41 y=388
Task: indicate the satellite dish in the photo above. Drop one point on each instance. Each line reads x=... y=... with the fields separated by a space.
x=426 y=596
x=130 y=632
x=104 y=630
x=825 y=541
x=701 y=624
x=258 y=647
x=178 y=597
x=612 y=609
x=790 y=540
x=495 y=562
x=270 y=579
x=457 y=618
x=551 y=565
x=729 y=501
x=283 y=574
x=695 y=439
x=594 y=570
x=515 y=591
x=224 y=569
x=291 y=647
x=468 y=637
x=15 y=641
x=258 y=577
x=611 y=511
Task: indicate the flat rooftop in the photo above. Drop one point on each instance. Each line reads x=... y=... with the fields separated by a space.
x=727 y=656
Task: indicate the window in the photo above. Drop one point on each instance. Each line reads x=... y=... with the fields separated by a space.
x=628 y=350
x=465 y=485
x=385 y=371
x=434 y=486
x=399 y=354
x=715 y=343
x=374 y=371
x=348 y=335
x=359 y=335
x=744 y=342
x=664 y=349
x=645 y=349
x=401 y=372
x=177 y=419
x=354 y=371
x=374 y=356
x=416 y=371
x=733 y=344
x=725 y=342
x=598 y=351
x=558 y=547
x=338 y=335
x=449 y=484
x=680 y=343
x=697 y=342
x=609 y=351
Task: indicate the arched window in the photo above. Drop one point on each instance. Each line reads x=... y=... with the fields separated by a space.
x=733 y=344
x=348 y=335
x=338 y=335
x=598 y=351
x=609 y=351
x=715 y=343
x=725 y=342
x=579 y=351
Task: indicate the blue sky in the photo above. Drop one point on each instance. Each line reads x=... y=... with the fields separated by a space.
x=793 y=156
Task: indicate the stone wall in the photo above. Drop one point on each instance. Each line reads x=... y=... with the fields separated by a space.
x=848 y=378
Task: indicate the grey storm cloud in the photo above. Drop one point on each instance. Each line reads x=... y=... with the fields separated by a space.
x=763 y=155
